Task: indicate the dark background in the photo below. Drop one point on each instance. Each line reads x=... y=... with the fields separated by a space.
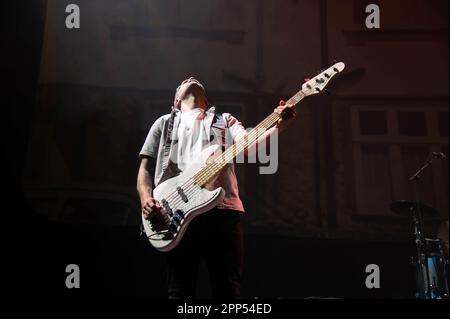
x=78 y=103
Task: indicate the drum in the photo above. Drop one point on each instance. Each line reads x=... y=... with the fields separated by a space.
x=432 y=272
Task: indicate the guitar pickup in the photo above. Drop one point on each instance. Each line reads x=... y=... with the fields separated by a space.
x=182 y=194
x=166 y=207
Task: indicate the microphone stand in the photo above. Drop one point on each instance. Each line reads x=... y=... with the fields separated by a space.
x=422 y=253
x=417 y=175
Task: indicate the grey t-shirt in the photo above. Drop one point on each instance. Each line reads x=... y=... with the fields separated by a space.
x=231 y=130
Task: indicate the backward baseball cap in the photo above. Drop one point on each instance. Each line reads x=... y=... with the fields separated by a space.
x=184 y=86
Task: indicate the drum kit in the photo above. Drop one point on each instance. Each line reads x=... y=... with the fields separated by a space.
x=431 y=262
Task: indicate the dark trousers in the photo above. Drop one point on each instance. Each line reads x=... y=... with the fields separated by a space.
x=216 y=236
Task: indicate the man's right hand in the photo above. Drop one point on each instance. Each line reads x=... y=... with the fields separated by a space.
x=151 y=208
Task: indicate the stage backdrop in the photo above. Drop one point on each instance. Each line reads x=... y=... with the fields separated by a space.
x=342 y=162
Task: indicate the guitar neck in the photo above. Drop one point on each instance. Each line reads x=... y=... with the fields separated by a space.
x=212 y=169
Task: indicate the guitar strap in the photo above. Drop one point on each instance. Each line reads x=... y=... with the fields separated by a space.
x=168 y=142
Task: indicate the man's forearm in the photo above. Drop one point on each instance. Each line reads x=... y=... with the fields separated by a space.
x=144 y=185
x=145 y=181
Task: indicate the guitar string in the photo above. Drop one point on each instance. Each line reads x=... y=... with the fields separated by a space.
x=197 y=190
x=212 y=169
x=205 y=174
x=215 y=167
x=235 y=150
x=271 y=119
x=208 y=170
x=188 y=186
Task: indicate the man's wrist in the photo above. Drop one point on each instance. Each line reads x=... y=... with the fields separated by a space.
x=146 y=199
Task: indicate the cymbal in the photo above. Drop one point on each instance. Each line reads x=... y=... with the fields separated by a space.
x=406 y=208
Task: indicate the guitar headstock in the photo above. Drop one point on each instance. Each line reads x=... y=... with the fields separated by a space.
x=319 y=82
